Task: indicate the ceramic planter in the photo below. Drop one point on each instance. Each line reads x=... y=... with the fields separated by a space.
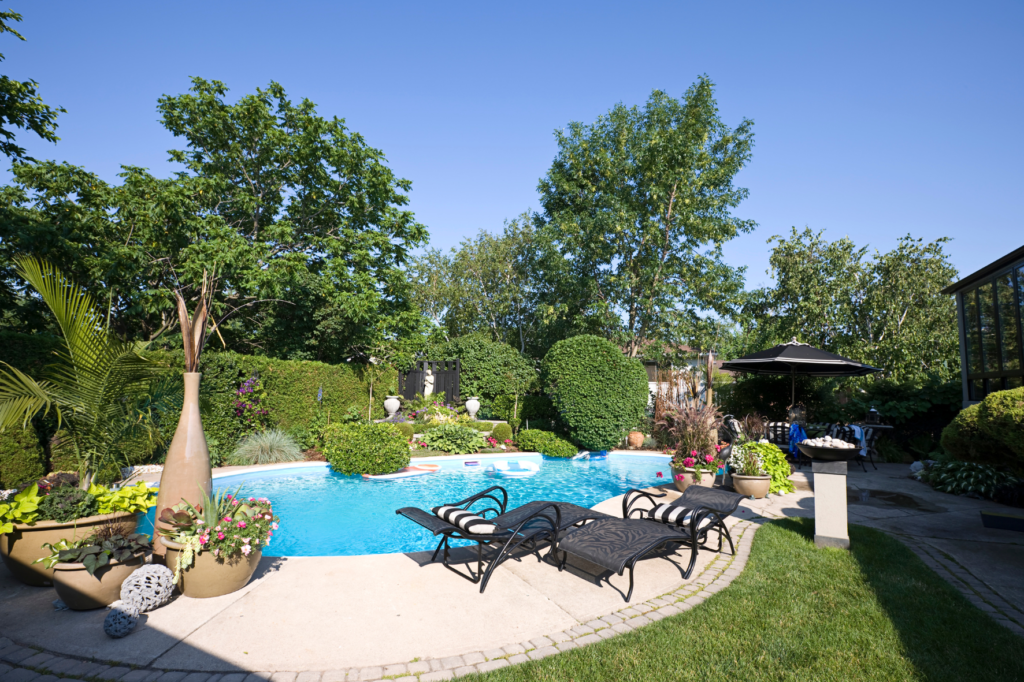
x=391 y=405
x=209 y=576
x=751 y=486
x=82 y=592
x=707 y=478
x=24 y=545
x=472 y=406
x=635 y=439
x=187 y=467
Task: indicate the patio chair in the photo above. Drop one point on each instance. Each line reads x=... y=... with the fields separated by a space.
x=524 y=526
x=778 y=434
x=616 y=544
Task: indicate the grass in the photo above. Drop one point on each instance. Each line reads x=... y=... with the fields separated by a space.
x=802 y=613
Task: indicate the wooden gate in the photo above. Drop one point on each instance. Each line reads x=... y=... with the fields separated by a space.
x=444 y=372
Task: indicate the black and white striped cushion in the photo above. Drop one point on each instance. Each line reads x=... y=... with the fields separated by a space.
x=467 y=521
x=679 y=516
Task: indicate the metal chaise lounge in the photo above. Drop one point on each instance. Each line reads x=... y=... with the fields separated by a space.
x=526 y=526
x=616 y=544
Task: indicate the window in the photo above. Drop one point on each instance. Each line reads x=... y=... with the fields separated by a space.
x=993 y=336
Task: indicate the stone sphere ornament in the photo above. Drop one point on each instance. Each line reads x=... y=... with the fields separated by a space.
x=121 y=620
x=148 y=588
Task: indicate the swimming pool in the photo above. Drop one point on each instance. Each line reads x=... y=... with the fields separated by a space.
x=328 y=514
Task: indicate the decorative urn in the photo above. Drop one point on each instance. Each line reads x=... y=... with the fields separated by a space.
x=392 y=404
x=472 y=406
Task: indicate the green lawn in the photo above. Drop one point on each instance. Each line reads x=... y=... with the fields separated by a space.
x=802 y=613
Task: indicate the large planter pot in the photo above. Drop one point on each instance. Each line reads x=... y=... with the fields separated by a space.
x=81 y=591
x=472 y=407
x=635 y=439
x=391 y=405
x=209 y=576
x=707 y=478
x=187 y=467
x=21 y=547
x=751 y=486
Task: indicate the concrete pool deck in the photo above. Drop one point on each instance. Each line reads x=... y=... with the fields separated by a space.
x=368 y=617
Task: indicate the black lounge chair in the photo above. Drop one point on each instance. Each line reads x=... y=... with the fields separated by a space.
x=524 y=526
x=615 y=544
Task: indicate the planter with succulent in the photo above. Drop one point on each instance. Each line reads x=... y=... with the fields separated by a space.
x=87 y=573
x=213 y=547
x=749 y=478
x=39 y=517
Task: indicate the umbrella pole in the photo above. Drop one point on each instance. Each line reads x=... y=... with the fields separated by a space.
x=792 y=379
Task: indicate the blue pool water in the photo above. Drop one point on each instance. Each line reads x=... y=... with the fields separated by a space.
x=327 y=514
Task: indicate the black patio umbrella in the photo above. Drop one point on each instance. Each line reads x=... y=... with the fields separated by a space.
x=798 y=358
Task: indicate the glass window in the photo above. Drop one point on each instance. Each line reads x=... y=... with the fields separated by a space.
x=989 y=333
x=1006 y=298
x=971 y=331
x=1014 y=382
x=977 y=390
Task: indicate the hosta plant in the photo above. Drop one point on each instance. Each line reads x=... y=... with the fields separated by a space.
x=21 y=508
x=965 y=478
x=455 y=439
x=96 y=551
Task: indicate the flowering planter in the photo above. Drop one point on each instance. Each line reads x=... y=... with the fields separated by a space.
x=751 y=486
x=707 y=478
x=20 y=548
x=210 y=576
x=81 y=591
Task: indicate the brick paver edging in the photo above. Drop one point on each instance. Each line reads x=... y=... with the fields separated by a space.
x=25 y=664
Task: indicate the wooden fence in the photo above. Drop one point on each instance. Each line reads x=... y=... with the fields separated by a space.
x=445 y=374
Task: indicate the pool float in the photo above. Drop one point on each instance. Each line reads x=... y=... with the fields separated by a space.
x=512 y=469
x=592 y=456
x=407 y=472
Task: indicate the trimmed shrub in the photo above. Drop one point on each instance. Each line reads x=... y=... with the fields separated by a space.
x=455 y=439
x=408 y=430
x=532 y=440
x=501 y=432
x=485 y=365
x=531 y=408
x=21 y=457
x=482 y=427
x=266 y=447
x=558 y=447
x=371 y=449
x=599 y=392
x=1001 y=418
x=964 y=440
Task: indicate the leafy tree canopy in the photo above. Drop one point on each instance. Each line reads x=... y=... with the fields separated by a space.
x=639 y=205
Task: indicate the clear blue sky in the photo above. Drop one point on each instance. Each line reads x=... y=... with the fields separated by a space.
x=872 y=119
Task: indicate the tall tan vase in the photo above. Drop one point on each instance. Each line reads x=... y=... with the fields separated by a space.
x=187 y=468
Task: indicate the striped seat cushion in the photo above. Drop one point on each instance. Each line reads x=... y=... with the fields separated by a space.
x=678 y=516
x=467 y=521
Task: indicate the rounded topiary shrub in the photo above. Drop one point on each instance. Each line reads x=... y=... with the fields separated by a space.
x=558 y=447
x=408 y=430
x=965 y=440
x=371 y=449
x=1001 y=418
x=501 y=432
x=599 y=393
x=532 y=440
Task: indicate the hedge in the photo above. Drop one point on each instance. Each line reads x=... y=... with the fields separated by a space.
x=546 y=443
x=371 y=449
x=991 y=432
x=599 y=392
x=22 y=458
x=485 y=365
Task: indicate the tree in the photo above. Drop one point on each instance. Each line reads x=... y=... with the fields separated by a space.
x=21 y=106
x=639 y=205
x=887 y=310
x=103 y=391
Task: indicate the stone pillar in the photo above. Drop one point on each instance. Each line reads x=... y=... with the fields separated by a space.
x=830 y=523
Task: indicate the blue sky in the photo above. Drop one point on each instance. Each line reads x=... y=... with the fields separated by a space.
x=872 y=120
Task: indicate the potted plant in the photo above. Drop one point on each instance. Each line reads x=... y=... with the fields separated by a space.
x=42 y=515
x=748 y=476
x=214 y=547
x=693 y=426
x=88 y=573
x=695 y=468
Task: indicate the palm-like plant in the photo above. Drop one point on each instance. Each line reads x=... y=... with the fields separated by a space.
x=102 y=390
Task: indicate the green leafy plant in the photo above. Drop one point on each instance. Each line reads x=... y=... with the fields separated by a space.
x=20 y=508
x=746 y=461
x=96 y=551
x=266 y=447
x=408 y=430
x=774 y=463
x=546 y=443
x=372 y=449
x=103 y=392
x=599 y=393
x=966 y=478
x=501 y=432
x=67 y=503
x=455 y=439
x=133 y=499
x=482 y=427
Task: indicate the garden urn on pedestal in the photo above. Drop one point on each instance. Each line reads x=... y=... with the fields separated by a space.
x=391 y=405
x=472 y=407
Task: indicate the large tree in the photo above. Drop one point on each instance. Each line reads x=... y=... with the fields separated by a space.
x=290 y=209
x=21 y=106
x=639 y=205
x=885 y=309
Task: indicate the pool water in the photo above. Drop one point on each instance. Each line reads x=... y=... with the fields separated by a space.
x=327 y=514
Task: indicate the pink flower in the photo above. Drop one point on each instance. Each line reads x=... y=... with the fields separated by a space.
x=709 y=458
x=220 y=536
x=267 y=516
x=680 y=477
x=659 y=475
x=203 y=539
x=235 y=503
x=693 y=452
x=274 y=526
x=257 y=541
x=241 y=524
x=216 y=552
x=228 y=519
x=689 y=462
x=199 y=522
x=246 y=549
x=217 y=528
x=252 y=499
x=270 y=533
x=508 y=441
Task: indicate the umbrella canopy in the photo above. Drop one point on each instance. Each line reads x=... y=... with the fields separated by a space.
x=798 y=358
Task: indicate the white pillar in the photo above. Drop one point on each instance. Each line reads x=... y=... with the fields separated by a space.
x=830 y=522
